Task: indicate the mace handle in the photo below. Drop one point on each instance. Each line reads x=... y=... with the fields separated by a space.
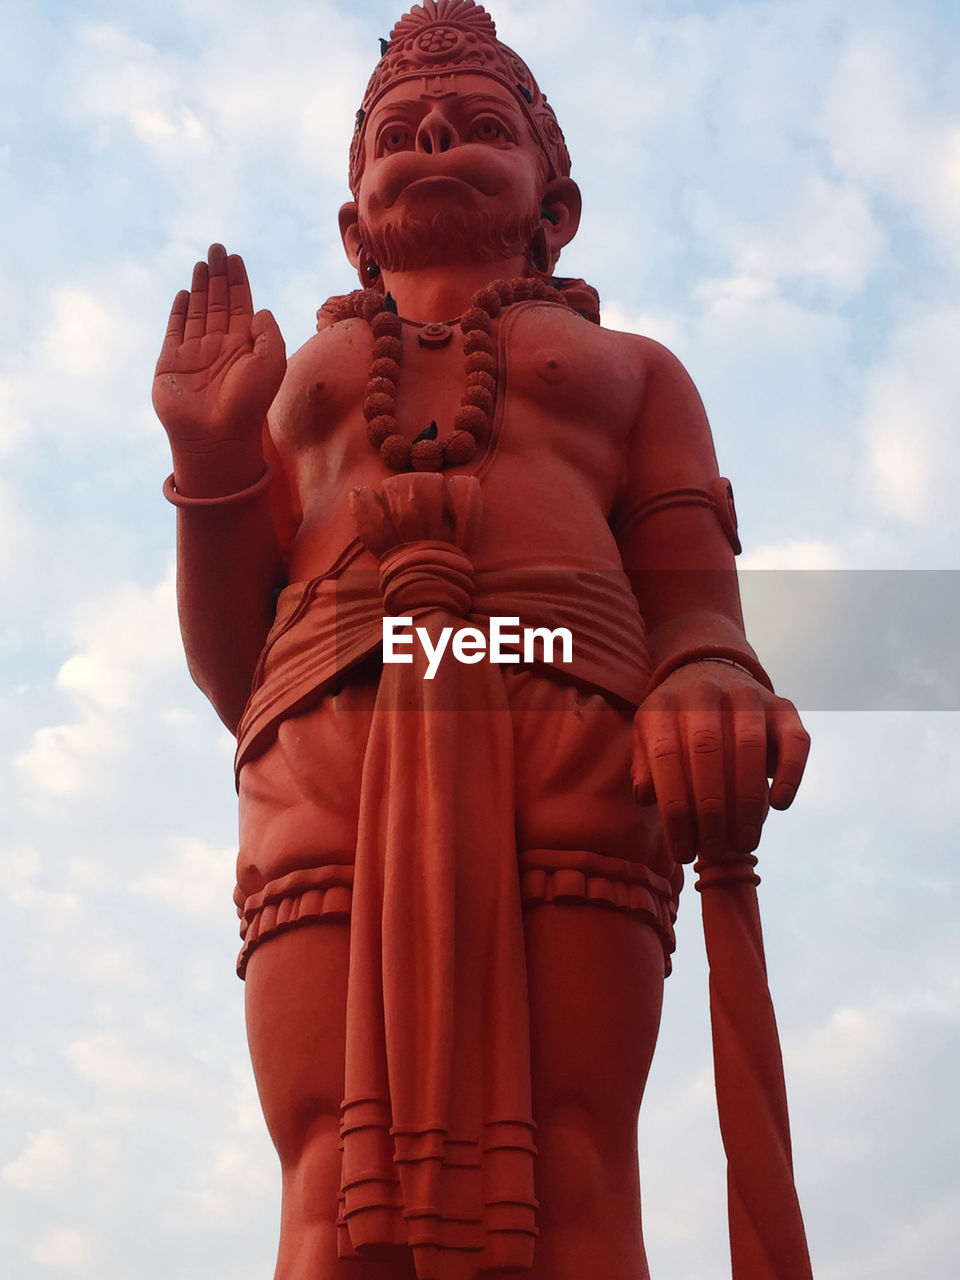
x=767 y=1238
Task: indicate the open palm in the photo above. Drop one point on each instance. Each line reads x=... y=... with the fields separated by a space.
x=221 y=364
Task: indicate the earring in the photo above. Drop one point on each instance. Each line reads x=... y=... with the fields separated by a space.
x=368 y=270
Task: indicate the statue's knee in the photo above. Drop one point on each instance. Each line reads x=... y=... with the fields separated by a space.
x=310 y=1133
x=585 y=1158
x=570 y=1158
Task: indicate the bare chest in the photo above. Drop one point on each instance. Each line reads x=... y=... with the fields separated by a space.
x=564 y=394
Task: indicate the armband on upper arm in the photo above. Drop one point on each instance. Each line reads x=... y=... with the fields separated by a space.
x=722 y=492
x=719 y=498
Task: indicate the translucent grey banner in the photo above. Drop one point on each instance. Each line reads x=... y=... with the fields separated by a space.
x=831 y=640
x=857 y=640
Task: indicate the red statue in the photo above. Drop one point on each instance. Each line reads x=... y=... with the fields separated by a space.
x=460 y=851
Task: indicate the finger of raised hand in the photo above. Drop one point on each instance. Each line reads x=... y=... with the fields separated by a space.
x=664 y=749
x=218 y=290
x=196 y=325
x=175 y=325
x=703 y=733
x=750 y=759
x=790 y=745
x=268 y=344
x=241 y=299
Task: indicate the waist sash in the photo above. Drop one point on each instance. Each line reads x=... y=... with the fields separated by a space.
x=327 y=625
x=436 y=1121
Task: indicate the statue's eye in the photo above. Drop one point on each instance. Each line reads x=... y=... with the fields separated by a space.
x=489 y=130
x=395 y=138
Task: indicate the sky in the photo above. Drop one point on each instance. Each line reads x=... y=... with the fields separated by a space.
x=772 y=189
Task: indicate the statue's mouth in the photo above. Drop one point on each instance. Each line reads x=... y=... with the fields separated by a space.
x=411 y=171
x=435 y=180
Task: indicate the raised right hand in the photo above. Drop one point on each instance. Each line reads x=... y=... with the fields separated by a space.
x=221 y=365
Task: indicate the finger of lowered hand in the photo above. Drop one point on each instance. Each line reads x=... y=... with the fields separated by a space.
x=218 y=290
x=196 y=325
x=643 y=788
x=791 y=746
x=241 y=299
x=664 y=748
x=749 y=731
x=703 y=734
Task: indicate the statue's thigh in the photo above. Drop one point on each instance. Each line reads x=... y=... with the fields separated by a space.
x=596 y=988
x=296 y=991
x=573 y=786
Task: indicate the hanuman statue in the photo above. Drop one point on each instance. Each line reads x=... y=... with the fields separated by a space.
x=458 y=877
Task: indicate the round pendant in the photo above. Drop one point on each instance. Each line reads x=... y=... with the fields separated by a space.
x=434 y=335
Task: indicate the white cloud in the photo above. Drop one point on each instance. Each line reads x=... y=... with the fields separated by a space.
x=909 y=424
x=191 y=113
x=106 y=964
x=67 y=1249
x=825 y=235
x=681 y=1155
x=14 y=421
x=126 y=639
x=103 y=1158
x=796 y=553
x=56 y=905
x=20 y=868
x=887 y=130
x=247 y=1114
x=662 y=328
x=68 y=938
x=85 y=361
x=923 y=1242
x=60 y=758
x=198 y=880
x=854 y=1042
x=730 y=295
x=236 y=1179
x=128 y=642
x=18 y=532
x=107 y=1060
x=127 y=81
x=83 y=335
x=44 y=1165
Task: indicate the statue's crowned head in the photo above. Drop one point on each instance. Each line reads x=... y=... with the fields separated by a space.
x=457 y=158
x=442 y=38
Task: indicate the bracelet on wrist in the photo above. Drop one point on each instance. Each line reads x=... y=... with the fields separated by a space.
x=710 y=653
x=242 y=495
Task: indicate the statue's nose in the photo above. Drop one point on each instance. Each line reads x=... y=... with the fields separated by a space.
x=436 y=133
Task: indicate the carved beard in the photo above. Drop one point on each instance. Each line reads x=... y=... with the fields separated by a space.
x=452 y=235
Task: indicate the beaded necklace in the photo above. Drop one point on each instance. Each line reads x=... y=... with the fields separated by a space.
x=472 y=421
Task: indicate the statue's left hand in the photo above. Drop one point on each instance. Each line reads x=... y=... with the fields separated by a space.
x=705 y=743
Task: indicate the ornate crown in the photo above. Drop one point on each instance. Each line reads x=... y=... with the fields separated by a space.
x=443 y=36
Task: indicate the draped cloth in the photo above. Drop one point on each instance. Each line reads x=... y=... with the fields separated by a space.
x=436 y=1121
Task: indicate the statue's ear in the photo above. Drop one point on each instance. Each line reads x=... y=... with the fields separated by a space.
x=350 y=232
x=560 y=216
x=368 y=271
